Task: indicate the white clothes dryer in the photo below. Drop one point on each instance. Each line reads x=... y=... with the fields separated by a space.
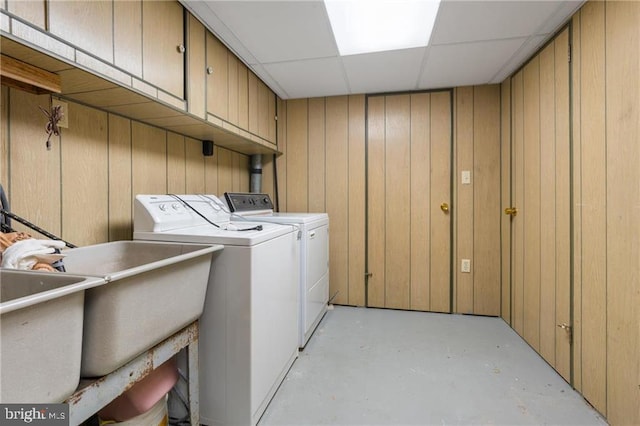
x=248 y=330
x=314 y=254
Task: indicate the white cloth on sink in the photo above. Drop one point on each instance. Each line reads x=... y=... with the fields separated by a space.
x=26 y=253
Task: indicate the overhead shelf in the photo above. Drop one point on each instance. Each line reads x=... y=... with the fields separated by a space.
x=92 y=82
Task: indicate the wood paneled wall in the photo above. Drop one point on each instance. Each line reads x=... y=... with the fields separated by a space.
x=477 y=205
x=323 y=169
x=606 y=207
x=83 y=188
x=605 y=203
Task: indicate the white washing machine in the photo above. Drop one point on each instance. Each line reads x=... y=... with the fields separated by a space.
x=248 y=330
x=314 y=254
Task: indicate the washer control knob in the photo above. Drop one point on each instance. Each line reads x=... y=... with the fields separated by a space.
x=162 y=207
x=175 y=206
x=265 y=200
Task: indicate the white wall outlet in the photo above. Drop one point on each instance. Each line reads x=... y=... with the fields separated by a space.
x=466 y=177
x=465 y=266
x=64 y=122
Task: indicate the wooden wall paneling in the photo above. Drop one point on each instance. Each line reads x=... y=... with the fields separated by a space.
x=398 y=198
x=34 y=170
x=505 y=196
x=127 y=36
x=195 y=166
x=162 y=33
x=176 y=164
x=235 y=167
x=548 y=205
x=268 y=184
x=623 y=211
x=316 y=156
x=85 y=152
x=463 y=209
x=196 y=68
x=120 y=196
x=517 y=271
x=232 y=62
x=419 y=211
x=4 y=137
x=211 y=172
x=594 y=214
x=440 y=192
x=486 y=200
x=376 y=195
x=281 y=160
x=253 y=103
x=31 y=11
x=225 y=171
x=86 y=25
x=217 y=81
x=337 y=134
x=356 y=201
x=243 y=96
x=531 y=209
x=563 y=206
x=149 y=156
x=297 y=155
x=576 y=195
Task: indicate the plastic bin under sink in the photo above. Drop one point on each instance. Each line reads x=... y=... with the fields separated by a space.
x=153 y=290
x=41 y=317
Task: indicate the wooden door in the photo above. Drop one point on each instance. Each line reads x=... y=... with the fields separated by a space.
x=541 y=239
x=409 y=195
x=217 y=78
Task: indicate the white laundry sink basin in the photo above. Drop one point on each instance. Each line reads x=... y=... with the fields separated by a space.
x=41 y=318
x=153 y=290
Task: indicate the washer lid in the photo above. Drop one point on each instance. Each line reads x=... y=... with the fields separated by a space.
x=301 y=218
x=208 y=234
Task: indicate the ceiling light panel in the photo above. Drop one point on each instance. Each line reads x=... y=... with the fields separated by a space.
x=365 y=26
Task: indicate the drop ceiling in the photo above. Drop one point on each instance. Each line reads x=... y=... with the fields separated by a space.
x=290 y=45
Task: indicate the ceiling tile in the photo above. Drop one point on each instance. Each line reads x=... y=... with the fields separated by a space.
x=400 y=71
x=276 y=31
x=465 y=21
x=309 y=78
x=466 y=63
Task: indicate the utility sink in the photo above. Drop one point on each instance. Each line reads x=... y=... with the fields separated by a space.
x=153 y=290
x=41 y=316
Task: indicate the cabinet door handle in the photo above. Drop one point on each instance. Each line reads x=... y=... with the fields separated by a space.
x=181 y=48
x=209 y=70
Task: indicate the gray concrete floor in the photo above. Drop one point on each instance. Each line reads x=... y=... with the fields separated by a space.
x=387 y=367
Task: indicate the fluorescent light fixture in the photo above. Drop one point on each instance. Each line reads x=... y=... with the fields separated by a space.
x=364 y=26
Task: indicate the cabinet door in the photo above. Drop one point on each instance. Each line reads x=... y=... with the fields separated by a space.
x=127 y=36
x=253 y=103
x=87 y=25
x=217 y=78
x=196 y=90
x=163 y=45
x=233 y=88
x=243 y=96
x=31 y=11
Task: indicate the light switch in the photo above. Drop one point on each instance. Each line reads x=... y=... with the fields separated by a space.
x=466 y=177
x=465 y=266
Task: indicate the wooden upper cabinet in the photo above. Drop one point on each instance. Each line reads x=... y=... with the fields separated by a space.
x=243 y=96
x=217 y=78
x=196 y=80
x=127 y=36
x=233 y=88
x=262 y=109
x=163 y=45
x=86 y=25
x=31 y=11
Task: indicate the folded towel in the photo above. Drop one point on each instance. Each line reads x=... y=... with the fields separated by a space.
x=25 y=254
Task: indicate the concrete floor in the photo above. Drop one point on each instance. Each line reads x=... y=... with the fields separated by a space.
x=387 y=367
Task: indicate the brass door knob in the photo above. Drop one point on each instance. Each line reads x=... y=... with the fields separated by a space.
x=444 y=207
x=511 y=211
